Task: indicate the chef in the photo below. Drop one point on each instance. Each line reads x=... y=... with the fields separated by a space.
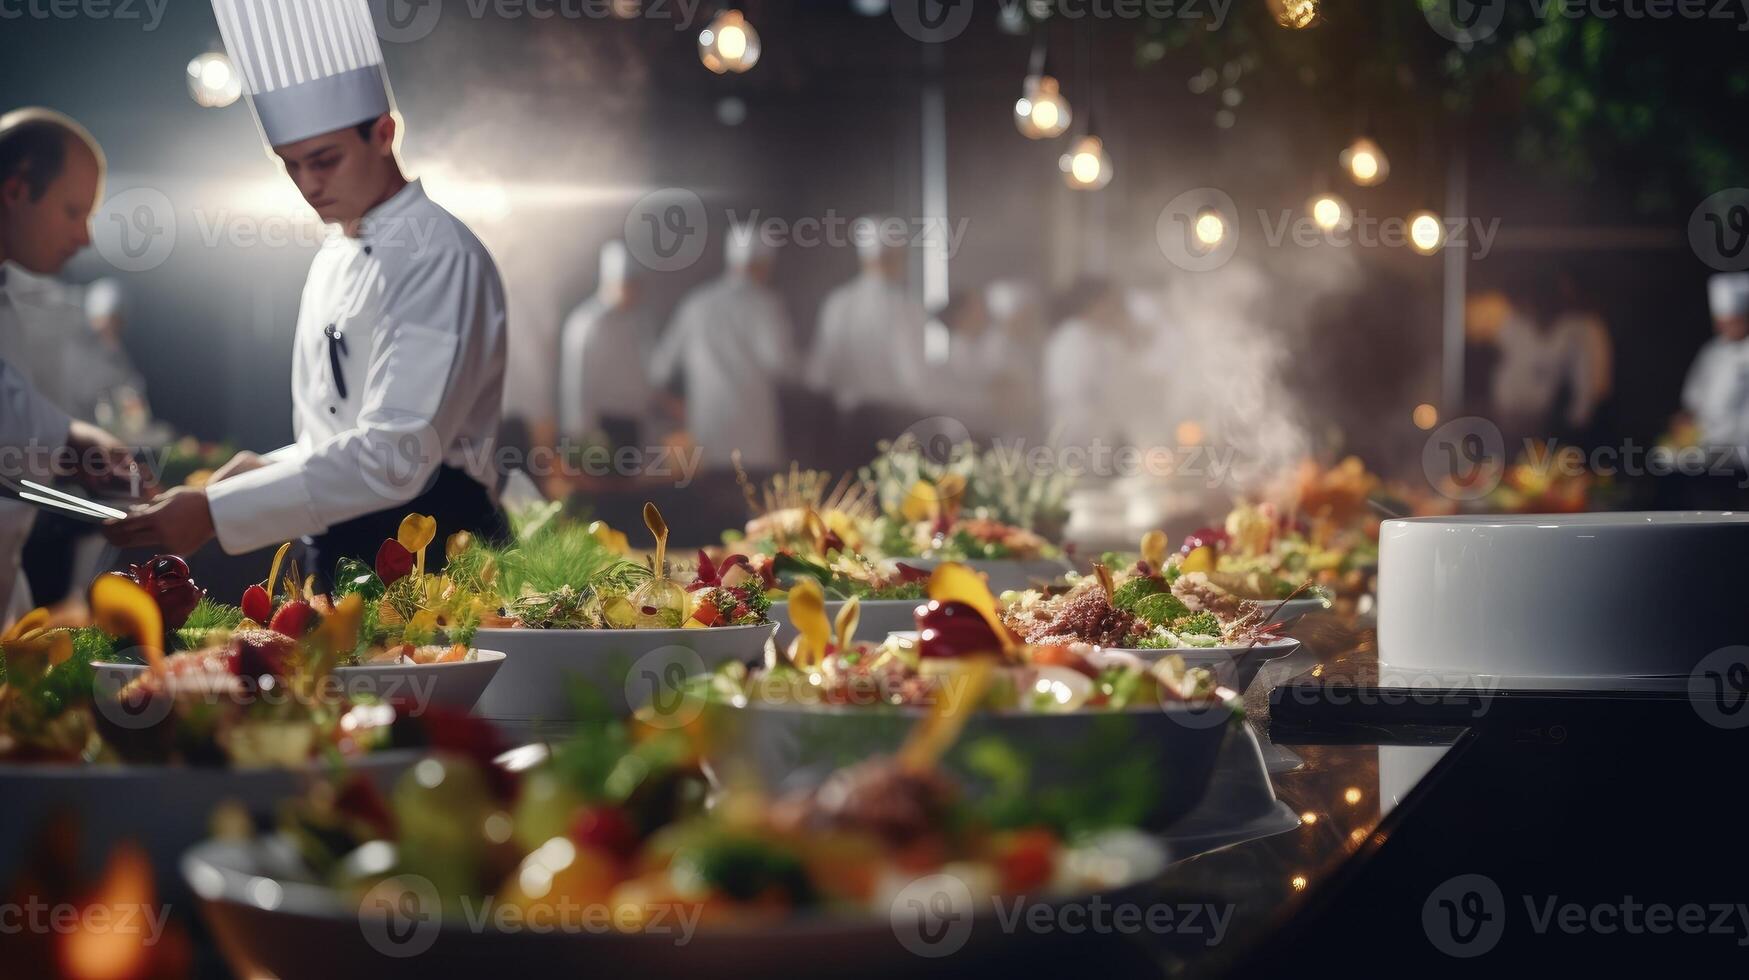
x=604 y=384
x=730 y=341
x=870 y=343
x=1095 y=341
x=399 y=350
x=1716 y=394
x=51 y=176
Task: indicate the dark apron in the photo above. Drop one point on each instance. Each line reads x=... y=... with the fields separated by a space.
x=458 y=502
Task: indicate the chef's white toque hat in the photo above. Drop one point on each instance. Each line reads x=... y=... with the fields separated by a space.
x=309 y=66
x=1728 y=294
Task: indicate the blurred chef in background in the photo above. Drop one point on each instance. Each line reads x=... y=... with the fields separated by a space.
x=869 y=346
x=605 y=349
x=51 y=178
x=108 y=389
x=728 y=344
x=1095 y=339
x=983 y=381
x=399 y=350
x=1716 y=394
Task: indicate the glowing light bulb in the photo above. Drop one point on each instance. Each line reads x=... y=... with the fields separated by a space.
x=1086 y=167
x=1210 y=228
x=212 y=81
x=1426 y=233
x=728 y=43
x=1041 y=112
x=1295 y=14
x=1330 y=213
x=1425 y=416
x=1365 y=162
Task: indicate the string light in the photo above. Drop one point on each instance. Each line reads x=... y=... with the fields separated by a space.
x=212 y=80
x=1210 y=228
x=1330 y=212
x=1041 y=112
x=1426 y=232
x=1295 y=14
x=1365 y=163
x=1086 y=167
x=1425 y=416
x=728 y=43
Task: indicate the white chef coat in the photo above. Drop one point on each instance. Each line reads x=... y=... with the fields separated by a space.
x=28 y=421
x=1716 y=392
x=1534 y=365
x=421 y=308
x=1082 y=398
x=731 y=339
x=604 y=366
x=987 y=382
x=869 y=346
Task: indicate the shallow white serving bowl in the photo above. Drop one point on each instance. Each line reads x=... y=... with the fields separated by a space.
x=455 y=685
x=1583 y=600
x=625 y=667
x=1290 y=610
x=878 y=618
x=1005 y=574
x=1234 y=667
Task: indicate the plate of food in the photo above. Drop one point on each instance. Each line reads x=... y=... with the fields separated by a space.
x=572 y=610
x=600 y=857
x=1152 y=730
x=147 y=758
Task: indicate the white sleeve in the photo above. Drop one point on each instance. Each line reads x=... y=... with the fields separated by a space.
x=823 y=351
x=404 y=426
x=27 y=419
x=672 y=345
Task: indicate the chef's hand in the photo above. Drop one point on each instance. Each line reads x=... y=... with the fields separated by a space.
x=179 y=522
x=239 y=464
x=104 y=464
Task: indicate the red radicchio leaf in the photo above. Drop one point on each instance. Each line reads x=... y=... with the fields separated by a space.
x=394 y=562
x=911 y=573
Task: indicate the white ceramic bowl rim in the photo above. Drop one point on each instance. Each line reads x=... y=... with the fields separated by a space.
x=653 y=634
x=1608 y=519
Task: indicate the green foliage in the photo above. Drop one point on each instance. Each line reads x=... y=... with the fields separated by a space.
x=1160 y=608
x=352 y=575
x=561 y=554
x=999 y=484
x=208 y=617
x=1118 y=788
x=1201 y=624
x=1128 y=594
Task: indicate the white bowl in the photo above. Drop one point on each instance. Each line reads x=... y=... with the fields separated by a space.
x=455 y=685
x=163 y=808
x=1006 y=573
x=1290 y=610
x=1233 y=667
x=625 y=667
x=1584 y=599
x=878 y=618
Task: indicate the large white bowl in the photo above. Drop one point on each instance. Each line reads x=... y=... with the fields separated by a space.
x=1582 y=599
x=165 y=809
x=456 y=685
x=878 y=618
x=1233 y=667
x=624 y=667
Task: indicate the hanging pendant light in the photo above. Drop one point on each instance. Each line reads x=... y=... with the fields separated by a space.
x=1086 y=167
x=728 y=43
x=1330 y=212
x=1041 y=112
x=213 y=82
x=1426 y=232
x=1365 y=163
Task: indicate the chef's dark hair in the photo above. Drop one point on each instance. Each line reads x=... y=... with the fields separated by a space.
x=33 y=145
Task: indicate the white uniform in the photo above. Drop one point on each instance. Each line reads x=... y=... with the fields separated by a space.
x=869 y=346
x=731 y=340
x=1082 y=402
x=28 y=421
x=604 y=352
x=420 y=328
x=1716 y=391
